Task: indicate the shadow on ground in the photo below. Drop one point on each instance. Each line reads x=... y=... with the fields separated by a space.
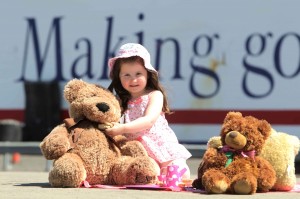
x=42 y=185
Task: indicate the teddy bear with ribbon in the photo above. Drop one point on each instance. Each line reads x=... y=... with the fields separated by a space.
x=236 y=166
x=282 y=159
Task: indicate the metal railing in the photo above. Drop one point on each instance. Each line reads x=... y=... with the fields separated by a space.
x=31 y=148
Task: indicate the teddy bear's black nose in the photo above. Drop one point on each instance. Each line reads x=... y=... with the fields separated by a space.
x=102 y=107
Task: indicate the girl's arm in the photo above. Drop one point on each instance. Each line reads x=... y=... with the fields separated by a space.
x=151 y=114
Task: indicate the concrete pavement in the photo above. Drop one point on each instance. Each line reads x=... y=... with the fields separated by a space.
x=29 y=180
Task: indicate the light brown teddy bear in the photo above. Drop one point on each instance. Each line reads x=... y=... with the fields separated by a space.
x=83 y=152
x=236 y=167
x=280 y=150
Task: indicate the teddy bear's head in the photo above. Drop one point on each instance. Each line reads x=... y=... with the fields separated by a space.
x=92 y=102
x=244 y=133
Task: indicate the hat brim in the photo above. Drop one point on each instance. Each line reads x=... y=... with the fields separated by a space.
x=111 y=63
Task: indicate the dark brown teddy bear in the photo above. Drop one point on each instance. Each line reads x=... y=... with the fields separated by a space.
x=83 y=152
x=236 y=168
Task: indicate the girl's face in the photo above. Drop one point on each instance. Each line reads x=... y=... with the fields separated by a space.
x=133 y=78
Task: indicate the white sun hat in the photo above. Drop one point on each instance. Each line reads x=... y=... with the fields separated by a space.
x=129 y=50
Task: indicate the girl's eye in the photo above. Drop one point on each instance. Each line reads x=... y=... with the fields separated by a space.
x=125 y=75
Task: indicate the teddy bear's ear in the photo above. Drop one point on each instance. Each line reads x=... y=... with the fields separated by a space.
x=233 y=115
x=71 y=89
x=265 y=128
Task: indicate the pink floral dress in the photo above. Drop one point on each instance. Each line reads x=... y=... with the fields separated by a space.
x=160 y=141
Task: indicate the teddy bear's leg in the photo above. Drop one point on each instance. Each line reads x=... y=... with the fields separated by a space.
x=67 y=171
x=244 y=183
x=215 y=182
x=134 y=149
x=139 y=170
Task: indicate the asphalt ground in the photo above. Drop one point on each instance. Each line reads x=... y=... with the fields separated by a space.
x=28 y=179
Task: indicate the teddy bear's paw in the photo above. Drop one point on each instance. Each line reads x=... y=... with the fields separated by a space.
x=105 y=126
x=215 y=182
x=54 y=147
x=65 y=179
x=243 y=187
x=67 y=171
x=142 y=171
x=219 y=187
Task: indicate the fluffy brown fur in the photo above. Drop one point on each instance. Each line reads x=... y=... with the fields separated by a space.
x=81 y=151
x=246 y=174
x=280 y=149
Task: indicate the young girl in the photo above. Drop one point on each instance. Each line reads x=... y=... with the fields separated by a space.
x=144 y=105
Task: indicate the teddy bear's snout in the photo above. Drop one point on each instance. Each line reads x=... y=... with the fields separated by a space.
x=103 y=107
x=235 y=140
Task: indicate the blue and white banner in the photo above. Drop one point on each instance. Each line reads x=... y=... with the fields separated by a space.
x=213 y=56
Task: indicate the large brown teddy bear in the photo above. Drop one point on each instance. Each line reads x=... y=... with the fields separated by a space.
x=236 y=167
x=83 y=152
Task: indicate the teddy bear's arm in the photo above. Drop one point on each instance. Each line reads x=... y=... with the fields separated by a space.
x=266 y=176
x=214 y=158
x=56 y=143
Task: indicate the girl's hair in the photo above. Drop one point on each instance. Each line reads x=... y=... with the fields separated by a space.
x=124 y=95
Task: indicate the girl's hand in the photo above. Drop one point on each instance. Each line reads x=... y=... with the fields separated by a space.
x=116 y=129
x=105 y=126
